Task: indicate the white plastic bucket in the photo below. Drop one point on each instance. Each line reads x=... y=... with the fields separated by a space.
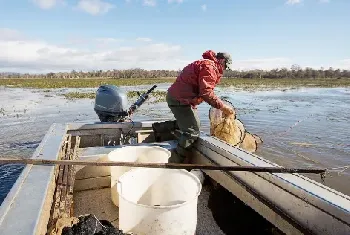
x=158 y=201
x=200 y=175
x=142 y=154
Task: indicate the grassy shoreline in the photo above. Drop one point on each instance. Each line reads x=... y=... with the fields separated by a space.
x=156 y=96
x=79 y=83
x=239 y=82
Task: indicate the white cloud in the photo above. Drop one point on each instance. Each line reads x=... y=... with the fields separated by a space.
x=151 y=3
x=109 y=40
x=46 y=4
x=346 y=62
x=204 y=7
x=178 y=1
x=342 y=64
x=75 y=40
x=7 y=34
x=18 y=54
x=95 y=7
x=263 y=63
x=143 y=39
x=293 y=2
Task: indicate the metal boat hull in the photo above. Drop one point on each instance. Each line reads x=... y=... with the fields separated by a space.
x=292 y=202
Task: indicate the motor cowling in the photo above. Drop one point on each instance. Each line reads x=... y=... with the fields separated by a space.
x=111 y=103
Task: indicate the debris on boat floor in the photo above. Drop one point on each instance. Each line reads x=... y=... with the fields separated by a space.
x=90 y=225
x=232 y=131
x=61 y=223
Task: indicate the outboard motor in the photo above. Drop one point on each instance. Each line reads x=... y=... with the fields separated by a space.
x=111 y=103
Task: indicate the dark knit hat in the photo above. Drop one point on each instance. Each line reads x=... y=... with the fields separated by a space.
x=227 y=57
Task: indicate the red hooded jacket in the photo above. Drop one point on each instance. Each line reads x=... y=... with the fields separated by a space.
x=197 y=80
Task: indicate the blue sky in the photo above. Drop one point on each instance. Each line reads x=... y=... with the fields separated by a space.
x=61 y=35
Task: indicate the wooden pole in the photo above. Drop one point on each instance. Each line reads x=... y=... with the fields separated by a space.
x=162 y=165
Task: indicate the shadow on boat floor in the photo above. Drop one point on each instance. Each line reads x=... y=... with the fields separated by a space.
x=234 y=217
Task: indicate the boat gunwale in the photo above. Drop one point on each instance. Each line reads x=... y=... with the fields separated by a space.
x=257 y=190
x=281 y=181
x=12 y=194
x=35 y=213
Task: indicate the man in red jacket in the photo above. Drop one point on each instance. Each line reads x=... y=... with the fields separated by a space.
x=194 y=85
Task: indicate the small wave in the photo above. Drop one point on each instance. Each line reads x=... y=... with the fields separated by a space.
x=8 y=176
x=27 y=145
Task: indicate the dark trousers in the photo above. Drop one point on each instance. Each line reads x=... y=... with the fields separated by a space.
x=188 y=122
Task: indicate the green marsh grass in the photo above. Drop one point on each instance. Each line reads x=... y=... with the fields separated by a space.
x=284 y=83
x=79 y=83
x=159 y=96
x=80 y=95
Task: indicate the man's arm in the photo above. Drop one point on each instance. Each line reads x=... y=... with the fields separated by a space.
x=207 y=82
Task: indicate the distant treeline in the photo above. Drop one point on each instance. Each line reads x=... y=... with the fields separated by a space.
x=294 y=72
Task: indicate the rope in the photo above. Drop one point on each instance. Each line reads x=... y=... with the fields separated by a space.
x=302 y=156
x=295 y=124
x=338 y=170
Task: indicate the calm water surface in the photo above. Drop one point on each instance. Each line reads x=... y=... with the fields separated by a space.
x=299 y=127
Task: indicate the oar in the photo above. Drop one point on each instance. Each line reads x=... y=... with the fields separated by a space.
x=162 y=165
